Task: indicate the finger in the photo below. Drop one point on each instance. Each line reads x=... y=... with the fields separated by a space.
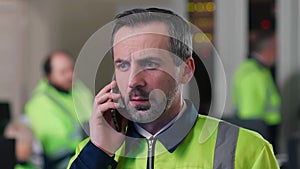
x=107 y=88
x=106 y=97
x=104 y=113
x=102 y=108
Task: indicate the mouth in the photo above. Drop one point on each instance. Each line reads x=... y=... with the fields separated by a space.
x=139 y=101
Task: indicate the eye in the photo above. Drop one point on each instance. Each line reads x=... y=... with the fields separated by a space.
x=123 y=66
x=150 y=65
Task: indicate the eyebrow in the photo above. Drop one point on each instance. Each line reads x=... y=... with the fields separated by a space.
x=119 y=61
x=149 y=58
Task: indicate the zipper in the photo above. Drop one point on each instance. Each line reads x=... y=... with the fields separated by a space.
x=151 y=147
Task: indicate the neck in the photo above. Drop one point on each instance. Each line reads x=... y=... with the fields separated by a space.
x=168 y=115
x=59 y=89
x=261 y=59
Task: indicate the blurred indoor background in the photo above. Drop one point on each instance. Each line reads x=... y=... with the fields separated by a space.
x=29 y=29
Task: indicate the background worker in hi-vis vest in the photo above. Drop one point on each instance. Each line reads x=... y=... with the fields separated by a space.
x=51 y=111
x=152 y=54
x=255 y=94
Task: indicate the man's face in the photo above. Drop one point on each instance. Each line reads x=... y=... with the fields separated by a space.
x=61 y=71
x=271 y=52
x=146 y=74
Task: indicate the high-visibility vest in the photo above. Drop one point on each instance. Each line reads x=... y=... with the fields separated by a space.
x=255 y=95
x=53 y=117
x=224 y=147
x=25 y=166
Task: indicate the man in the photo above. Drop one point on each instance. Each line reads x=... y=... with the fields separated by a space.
x=52 y=113
x=162 y=129
x=255 y=95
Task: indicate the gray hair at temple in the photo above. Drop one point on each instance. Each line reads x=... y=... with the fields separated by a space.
x=179 y=29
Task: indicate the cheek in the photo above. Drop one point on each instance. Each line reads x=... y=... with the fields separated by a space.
x=54 y=78
x=122 y=83
x=62 y=78
x=162 y=81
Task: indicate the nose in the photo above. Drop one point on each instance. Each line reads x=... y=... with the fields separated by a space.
x=137 y=77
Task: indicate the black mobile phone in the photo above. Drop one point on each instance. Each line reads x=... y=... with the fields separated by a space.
x=116 y=116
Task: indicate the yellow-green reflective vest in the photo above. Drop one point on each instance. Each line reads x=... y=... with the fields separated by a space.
x=26 y=166
x=53 y=117
x=224 y=147
x=255 y=95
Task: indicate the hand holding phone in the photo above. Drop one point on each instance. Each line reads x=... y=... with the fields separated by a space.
x=116 y=116
x=102 y=127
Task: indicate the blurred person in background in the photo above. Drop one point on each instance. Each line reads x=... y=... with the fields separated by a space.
x=51 y=110
x=255 y=95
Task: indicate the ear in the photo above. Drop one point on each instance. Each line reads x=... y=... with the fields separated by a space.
x=187 y=70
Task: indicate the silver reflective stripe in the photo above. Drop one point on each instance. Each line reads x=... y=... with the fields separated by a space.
x=269 y=108
x=76 y=134
x=73 y=119
x=225 y=146
x=59 y=104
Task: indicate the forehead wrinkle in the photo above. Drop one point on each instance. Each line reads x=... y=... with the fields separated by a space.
x=140 y=45
x=129 y=32
x=155 y=27
x=131 y=39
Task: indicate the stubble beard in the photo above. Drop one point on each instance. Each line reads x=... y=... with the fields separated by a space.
x=149 y=113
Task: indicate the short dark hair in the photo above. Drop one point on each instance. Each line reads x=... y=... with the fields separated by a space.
x=47 y=62
x=179 y=29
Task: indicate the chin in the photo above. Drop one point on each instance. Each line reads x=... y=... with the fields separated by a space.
x=68 y=88
x=136 y=114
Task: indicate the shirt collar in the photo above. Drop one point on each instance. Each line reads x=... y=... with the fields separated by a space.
x=255 y=56
x=172 y=134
